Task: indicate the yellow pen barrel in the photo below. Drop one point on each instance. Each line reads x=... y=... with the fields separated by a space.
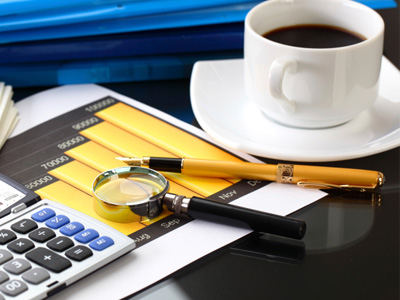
x=228 y=169
x=337 y=177
x=302 y=175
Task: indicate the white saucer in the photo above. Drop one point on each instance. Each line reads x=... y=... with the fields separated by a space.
x=220 y=106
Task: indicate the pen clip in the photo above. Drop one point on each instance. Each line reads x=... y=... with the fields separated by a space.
x=345 y=187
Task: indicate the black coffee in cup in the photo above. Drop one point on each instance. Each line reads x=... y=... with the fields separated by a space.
x=314 y=36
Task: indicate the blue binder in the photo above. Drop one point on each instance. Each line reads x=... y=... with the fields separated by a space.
x=64 y=19
x=179 y=40
x=144 y=68
x=78 y=41
x=166 y=20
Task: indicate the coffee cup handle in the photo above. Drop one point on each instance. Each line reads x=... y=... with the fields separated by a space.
x=276 y=73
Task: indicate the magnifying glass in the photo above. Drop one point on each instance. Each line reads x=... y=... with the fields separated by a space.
x=134 y=194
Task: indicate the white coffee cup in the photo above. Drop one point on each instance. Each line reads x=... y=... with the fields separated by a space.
x=312 y=87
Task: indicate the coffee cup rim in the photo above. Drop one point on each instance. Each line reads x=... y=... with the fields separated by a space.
x=379 y=32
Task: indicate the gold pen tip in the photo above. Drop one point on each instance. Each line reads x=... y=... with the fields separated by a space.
x=123 y=158
x=131 y=161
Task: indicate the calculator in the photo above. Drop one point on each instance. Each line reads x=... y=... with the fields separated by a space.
x=47 y=246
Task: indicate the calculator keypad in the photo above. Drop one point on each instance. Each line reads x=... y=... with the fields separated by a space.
x=36 y=248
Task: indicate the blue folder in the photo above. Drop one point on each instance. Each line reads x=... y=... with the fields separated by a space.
x=149 y=44
x=175 y=19
x=180 y=40
x=144 y=68
x=88 y=18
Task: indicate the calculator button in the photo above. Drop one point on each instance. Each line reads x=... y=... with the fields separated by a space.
x=24 y=226
x=48 y=259
x=42 y=235
x=79 y=253
x=21 y=245
x=5 y=256
x=13 y=287
x=3 y=277
x=57 y=221
x=36 y=275
x=72 y=228
x=43 y=214
x=86 y=236
x=17 y=266
x=6 y=236
x=60 y=244
x=101 y=243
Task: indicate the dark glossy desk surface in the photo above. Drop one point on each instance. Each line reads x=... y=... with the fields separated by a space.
x=350 y=251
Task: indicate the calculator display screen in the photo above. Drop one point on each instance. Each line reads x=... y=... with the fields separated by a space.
x=13 y=194
x=9 y=195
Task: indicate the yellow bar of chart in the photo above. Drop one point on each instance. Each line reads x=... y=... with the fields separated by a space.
x=127 y=144
x=170 y=138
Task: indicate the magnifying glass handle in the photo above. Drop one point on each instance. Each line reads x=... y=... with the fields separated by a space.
x=200 y=208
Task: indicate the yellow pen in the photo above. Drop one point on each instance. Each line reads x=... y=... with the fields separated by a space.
x=302 y=175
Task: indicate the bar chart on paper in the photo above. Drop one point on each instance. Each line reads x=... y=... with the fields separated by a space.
x=60 y=158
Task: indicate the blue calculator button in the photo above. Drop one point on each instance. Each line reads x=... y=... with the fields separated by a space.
x=101 y=243
x=72 y=228
x=43 y=214
x=57 y=221
x=87 y=235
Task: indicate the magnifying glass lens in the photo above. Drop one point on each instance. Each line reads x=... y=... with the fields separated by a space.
x=131 y=190
x=129 y=194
